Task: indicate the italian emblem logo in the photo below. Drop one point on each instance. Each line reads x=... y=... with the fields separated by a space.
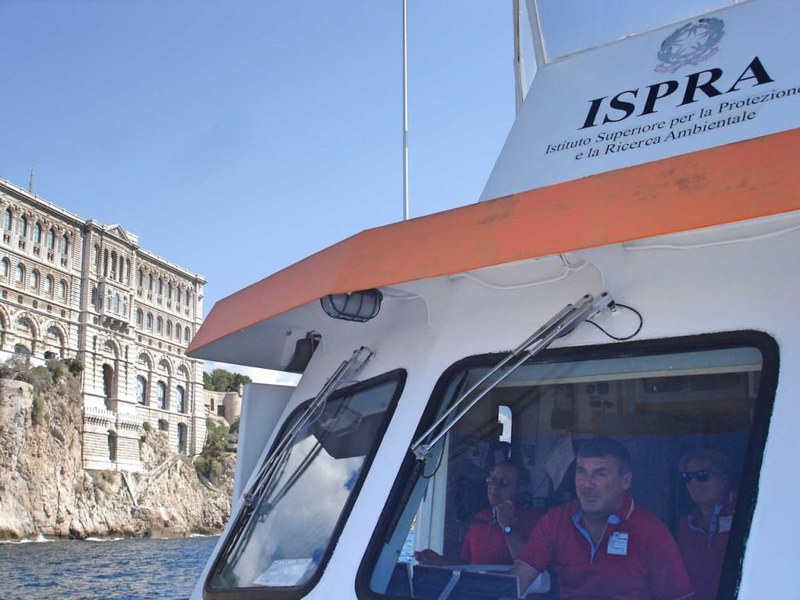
x=690 y=44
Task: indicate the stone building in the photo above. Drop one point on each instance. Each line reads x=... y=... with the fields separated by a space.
x=76 y=288
x=227 y=405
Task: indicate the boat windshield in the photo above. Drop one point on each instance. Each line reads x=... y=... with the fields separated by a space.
x=570 y=26
x=287 y=535
x=665 y=401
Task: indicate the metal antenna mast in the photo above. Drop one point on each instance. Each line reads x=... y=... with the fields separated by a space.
x=30 y=181
x=405 y=112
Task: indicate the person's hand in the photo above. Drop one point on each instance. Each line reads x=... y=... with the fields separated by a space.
x=506 y=513
x=429 y=557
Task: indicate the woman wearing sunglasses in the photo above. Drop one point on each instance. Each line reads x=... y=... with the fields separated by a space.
x=497 y=534
x=703 y=533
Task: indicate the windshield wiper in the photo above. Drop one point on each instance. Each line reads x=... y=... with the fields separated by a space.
x=273 y=467
x=567 y=319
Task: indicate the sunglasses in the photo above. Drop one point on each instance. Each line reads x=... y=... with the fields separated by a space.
x=702 y=475
x=498 y=483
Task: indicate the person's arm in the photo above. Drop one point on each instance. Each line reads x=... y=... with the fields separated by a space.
x=515 y=542
x=667 y=574
x=525 y=575
x=521 y=524
x=507 y=517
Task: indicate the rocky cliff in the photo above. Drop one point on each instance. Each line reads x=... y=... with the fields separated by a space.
x=44 y=490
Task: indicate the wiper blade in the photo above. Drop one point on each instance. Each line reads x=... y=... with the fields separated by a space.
x=566 y=320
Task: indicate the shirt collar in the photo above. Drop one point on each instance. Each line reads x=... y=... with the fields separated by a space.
x=623 y=514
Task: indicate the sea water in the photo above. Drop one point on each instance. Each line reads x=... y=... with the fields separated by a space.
x=107 y=569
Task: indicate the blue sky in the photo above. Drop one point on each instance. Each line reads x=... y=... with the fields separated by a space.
x=235 y=138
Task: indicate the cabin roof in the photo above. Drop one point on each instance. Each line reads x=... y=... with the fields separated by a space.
x=739 y=181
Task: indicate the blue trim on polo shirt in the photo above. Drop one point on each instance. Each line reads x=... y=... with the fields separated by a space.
x=712 y=527
x=613 y=519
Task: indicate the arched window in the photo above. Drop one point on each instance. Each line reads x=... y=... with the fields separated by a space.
x=55 y=341
x=22 y=226
x=182 y=438
x=159 y=325
x=5 y=267
x=7 y=219
x=116 y=304
x=19 y=274
x=113 y=264
x=97 y=258
x=149 y=323
x=37 y=233
x=139 y=317
x=127 y=271
x=169 y=291
x=162 y=395
x=140 y=278
x=180 y=398
x=48 y=284
x=62 y=289
x=22 y=350
x=163 y=425
x=186 y=334
x=168 y=332
x=24 y=325
x=178 y=331
x=35 y=279
x=64 y=244
x=160 y=286
x=150 y=282
x=141 y=390
x=186 y=300
x=51 y=238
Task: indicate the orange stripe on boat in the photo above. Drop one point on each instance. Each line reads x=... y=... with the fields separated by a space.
x=740 y=181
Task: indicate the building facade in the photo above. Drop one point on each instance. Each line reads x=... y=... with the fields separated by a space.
x=75 y=288
x=227 y=405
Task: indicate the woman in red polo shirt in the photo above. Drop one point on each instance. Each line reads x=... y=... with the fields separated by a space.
x=497 y=534
x=703 y=533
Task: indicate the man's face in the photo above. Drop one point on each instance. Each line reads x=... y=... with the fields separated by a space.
x=503 y=485
x=600 y=485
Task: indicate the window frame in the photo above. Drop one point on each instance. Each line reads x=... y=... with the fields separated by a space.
x=747 y=495
x=293 y=593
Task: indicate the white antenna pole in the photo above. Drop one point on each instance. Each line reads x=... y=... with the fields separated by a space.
x=405 y=112
x=519 y=69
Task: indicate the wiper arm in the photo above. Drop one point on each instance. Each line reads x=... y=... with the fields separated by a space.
x=313 y=412
x=275 y=464
x=567 y=319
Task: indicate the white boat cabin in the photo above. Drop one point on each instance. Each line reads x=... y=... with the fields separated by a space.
x=632 y=273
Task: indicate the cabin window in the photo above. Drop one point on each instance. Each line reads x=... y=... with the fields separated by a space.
x=661 y=399
x=284 y=539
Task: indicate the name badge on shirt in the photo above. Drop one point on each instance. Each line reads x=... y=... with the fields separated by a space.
x=725 y=523
x=618 y=543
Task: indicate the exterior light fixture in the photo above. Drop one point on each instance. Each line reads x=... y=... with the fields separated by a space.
x=356 y=306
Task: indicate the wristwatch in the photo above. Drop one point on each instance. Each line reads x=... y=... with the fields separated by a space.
x=507 y=529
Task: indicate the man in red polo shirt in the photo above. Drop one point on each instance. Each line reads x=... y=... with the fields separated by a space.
x=603 y=546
